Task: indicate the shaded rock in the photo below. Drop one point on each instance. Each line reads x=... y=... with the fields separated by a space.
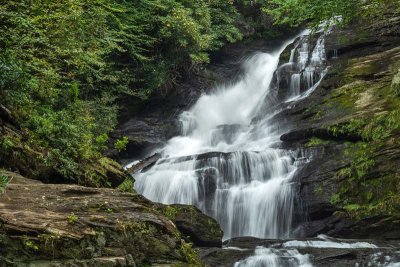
x=143 y=136
x=304 y=134
x=111 y=172
x=201 y=229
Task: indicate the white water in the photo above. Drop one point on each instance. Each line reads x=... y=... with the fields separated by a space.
x=328 y=244
x=268 y=257
x=246 y=184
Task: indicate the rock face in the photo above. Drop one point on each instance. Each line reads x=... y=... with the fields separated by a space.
x=350 y=128
x=48 y=224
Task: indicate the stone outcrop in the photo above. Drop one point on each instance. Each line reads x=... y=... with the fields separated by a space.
x=198 y=228
x=349 y=127
x=51 y=224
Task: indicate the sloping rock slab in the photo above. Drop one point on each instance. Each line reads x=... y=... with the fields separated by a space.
x=64 y=223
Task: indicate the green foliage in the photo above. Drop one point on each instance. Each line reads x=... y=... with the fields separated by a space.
x=214 y=228
x=190 y=255
x=319 y=190
x=104 y=207
x=101 y=141
x=335 y=199
x=352 y=207
x=141 y=229
x=72 y=218
x=361 y=192
x=296 y=12
x=121 y=144
x=379 y=127
x=4 y=180
x=63 y=65
x=170 y=212
x=314 y=141
x=127 y=186
x=396 y=84
x=30 y=244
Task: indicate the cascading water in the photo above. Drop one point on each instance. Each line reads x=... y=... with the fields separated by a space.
x=226 y=162
x=287 y=254
x=269 y=257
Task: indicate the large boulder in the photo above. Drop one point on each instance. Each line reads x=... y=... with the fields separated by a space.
x=200 y=229
x=52 y=224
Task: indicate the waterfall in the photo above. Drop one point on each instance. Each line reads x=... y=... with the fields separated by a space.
x=227 y=163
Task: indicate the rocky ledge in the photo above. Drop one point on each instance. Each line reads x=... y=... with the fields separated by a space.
x=70 y=225
x=349 y=128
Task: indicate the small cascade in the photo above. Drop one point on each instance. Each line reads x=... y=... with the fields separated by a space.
x=295 y=84
x=382 y=259
x=307 y=253
x=269 y=257
x=228 y=164
x=305 y=71
x=335 y=54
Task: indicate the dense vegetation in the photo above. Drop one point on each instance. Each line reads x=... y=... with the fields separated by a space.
x=64 y=64
x=313 y=12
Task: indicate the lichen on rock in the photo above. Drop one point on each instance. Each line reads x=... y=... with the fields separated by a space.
x=69 y=224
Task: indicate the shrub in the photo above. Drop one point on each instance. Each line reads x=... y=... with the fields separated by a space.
x=72 y=218
x=4 y=180
x=63 y=65
x=121 y=144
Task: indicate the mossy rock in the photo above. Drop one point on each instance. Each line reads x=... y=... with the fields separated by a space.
x=396 y=84
x=108 y=224
x=197 y=227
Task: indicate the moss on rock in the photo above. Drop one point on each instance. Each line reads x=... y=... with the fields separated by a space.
x=35 y=226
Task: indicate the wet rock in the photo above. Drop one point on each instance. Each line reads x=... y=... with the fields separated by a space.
x=143 y=136
x=356 y=88
x=332 y=253
x=144 y=164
